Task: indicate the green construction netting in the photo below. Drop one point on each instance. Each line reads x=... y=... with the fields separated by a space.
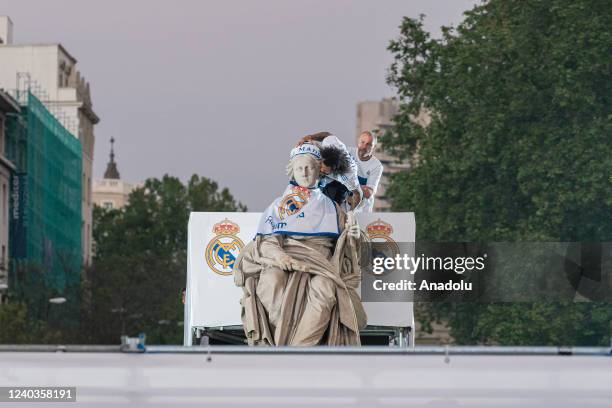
x=46 y=195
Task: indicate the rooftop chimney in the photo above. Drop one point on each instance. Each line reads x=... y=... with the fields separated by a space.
x=6 y=30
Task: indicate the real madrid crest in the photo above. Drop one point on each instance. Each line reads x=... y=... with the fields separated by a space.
x=380 y=231
x=293 y=202
x=223 y=249
x=383 y=245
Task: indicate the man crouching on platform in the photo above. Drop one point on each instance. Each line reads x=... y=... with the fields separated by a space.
x=300 y=274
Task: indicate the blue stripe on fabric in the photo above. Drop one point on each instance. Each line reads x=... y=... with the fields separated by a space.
x=305 y=234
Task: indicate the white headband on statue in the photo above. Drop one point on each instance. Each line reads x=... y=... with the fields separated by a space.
x=306 y=148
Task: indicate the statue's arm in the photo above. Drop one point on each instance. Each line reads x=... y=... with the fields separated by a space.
x=352 y=225
x=271 y=248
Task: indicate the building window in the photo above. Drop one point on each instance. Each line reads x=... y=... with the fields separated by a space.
x=109 y=205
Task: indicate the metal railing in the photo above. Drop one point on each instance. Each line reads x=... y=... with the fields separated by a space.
x=367 y=350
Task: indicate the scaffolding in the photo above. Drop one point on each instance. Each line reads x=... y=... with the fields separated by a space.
x=46 y=196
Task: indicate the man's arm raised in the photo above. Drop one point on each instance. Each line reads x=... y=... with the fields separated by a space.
x=315 y=137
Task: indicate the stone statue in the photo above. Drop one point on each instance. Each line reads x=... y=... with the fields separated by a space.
x=300 y=274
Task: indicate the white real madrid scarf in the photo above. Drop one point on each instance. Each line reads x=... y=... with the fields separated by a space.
x=300 y=211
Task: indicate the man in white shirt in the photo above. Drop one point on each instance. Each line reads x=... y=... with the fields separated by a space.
x=369 y=168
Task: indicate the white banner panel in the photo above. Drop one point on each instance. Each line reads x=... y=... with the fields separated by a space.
x=214 y=241
x=385 y=227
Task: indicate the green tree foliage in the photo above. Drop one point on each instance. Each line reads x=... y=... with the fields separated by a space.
x=21 y=326
x=139 y=266
x=519 y=147
x=30 y=317
x=14 y=323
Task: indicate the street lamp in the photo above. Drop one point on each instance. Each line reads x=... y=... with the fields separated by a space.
x=54 y=301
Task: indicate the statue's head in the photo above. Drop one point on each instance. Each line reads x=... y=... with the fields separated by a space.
x=304 y=165
x=305 y=170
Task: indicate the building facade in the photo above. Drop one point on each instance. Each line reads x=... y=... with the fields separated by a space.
x=111 y=192
x=50 y=73
x=45 y=201
x=45 y=209
x=8 y=107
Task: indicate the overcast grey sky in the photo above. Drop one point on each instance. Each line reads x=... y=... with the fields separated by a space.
x=224 y=88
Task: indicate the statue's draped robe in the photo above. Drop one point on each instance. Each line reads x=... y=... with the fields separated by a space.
x=319 y=305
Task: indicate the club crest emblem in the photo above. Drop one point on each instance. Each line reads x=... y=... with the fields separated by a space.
x=383 y=245
x=293 y=202
x=223 y=249
x=380 y=231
